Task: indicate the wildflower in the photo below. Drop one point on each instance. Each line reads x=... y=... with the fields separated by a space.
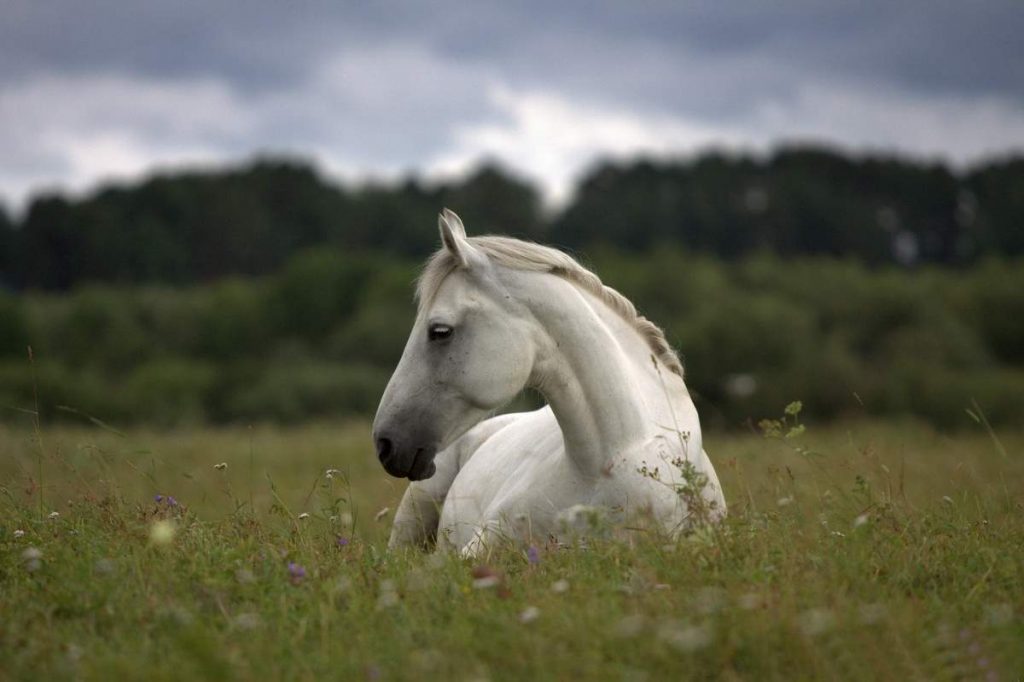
x=303 y=516
x=686 y=638
x=388 y=596
x=861 y=520
x=529 y=614
x=485 y=582
x=814 y=622
x=533 y=555
x=32 y=558
x=171 y=502
x=158 y=499
x=485 y=577
x=247 y=621
x=560 y=586
x=19 y=533
x=54 y=515
x=221 y=467
x=296 y=572
x=162 y=532
x=341 y=542
x=382 y=514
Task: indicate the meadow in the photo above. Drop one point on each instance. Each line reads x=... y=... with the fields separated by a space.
x=859 y=550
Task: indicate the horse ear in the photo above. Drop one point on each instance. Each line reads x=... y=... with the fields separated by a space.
x=453 y=236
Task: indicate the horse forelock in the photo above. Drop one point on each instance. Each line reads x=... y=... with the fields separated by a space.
x=517 y=254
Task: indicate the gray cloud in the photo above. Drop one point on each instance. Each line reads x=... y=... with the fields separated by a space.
x=90 y=90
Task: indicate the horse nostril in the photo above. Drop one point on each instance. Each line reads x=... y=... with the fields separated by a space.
x=383 y=448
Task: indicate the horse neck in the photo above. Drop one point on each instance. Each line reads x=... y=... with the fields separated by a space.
x=594 y=369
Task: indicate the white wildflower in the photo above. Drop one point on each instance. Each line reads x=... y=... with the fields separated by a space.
x=686 y=638
x=486 y=582
x=303 y=516
x=32 y=558
x=861 y=520
x=529 y=614
x=560 y=586
x=19 y=533
x=221 y=467
x=814 y=622
x=162 y=532
x=247 y=621
x=388 y=596
x=54 y=515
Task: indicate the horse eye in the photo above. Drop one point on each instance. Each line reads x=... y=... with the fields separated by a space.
x=439 y=332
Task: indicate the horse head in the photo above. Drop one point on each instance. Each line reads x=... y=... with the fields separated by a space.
x=469 y=353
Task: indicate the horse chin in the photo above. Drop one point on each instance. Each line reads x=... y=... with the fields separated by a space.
x=423 y=466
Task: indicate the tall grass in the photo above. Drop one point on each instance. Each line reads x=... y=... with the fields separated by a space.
x=872 y=551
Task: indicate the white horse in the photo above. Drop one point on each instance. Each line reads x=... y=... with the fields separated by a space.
x=619 y=432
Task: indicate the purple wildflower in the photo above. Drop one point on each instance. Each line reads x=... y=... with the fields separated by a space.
x=158 y=499
x=532 y=555
x=296 y=572
x=171 y=502
x=342 y=541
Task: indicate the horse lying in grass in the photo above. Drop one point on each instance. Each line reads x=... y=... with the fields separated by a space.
x=619 y=433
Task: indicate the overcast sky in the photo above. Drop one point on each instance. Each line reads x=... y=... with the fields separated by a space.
x=101 y=89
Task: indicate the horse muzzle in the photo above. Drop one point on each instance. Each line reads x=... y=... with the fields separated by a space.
x=403 y=461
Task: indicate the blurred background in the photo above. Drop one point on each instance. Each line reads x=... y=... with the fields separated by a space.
x=211 y=214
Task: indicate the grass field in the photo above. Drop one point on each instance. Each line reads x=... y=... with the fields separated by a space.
x=865 y=551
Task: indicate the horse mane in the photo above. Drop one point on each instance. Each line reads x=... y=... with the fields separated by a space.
x=517 y=254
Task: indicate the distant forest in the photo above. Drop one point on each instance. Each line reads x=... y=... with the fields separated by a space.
x=194 y=227
x=871 y=287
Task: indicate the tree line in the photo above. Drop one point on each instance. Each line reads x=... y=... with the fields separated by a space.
x=194 y=227
x=319 y=339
